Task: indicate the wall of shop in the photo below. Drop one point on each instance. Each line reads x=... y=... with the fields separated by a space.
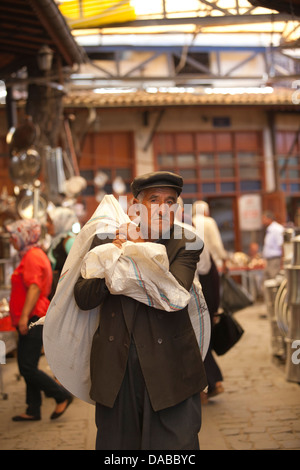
x=123 y=142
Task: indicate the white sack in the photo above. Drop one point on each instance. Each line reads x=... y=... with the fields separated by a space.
x=138 y=270
x=68 y=331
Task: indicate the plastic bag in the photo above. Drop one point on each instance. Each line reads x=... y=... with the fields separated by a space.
x=225 y=333
x=233 y=296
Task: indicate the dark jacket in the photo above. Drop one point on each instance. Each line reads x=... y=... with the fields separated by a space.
x=167 y=348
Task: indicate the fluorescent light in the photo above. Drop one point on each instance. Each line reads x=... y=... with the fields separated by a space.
x=239 y=90
x=114 y=90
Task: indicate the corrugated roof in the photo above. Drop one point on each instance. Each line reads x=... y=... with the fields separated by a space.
x=279 y=97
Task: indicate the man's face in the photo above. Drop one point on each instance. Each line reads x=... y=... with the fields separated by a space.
x=157 y=212
x=265 y=220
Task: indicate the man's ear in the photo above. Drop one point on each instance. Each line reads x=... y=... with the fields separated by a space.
x=137 y=203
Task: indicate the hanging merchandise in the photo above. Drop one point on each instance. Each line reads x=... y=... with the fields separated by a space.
x=25 y=166
x=118 y=185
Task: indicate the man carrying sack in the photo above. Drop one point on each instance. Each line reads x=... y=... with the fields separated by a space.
x=146 y=367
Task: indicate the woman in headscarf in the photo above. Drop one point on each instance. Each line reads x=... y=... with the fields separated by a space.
x=30 y=286
x=60 y=223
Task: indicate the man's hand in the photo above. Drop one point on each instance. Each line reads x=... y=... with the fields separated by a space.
x=128 y=232
x=23 y=325
x=32 y=296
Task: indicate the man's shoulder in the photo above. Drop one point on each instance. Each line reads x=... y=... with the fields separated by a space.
x=276 y=227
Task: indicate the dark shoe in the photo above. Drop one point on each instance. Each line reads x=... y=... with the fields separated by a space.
x=216 y=390
x=26 y=418
x=56 y=415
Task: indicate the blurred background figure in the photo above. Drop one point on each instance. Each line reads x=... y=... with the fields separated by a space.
x=208 y=230
x=273 y=245
x=30 y=286
x=210 y=282
x=62 y=225
x=254 y=251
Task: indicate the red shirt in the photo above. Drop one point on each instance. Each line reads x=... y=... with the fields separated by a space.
x=34 y=268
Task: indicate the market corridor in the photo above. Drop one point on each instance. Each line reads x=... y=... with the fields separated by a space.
x=259 y=409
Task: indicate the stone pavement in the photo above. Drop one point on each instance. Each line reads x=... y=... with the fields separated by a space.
x=258 y=410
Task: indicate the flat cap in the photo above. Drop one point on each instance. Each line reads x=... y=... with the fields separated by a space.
x=157 y=179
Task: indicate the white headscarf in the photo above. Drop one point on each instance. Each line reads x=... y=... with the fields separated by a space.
x=63 y=220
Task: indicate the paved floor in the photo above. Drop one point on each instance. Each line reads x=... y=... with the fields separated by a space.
x=259 y=409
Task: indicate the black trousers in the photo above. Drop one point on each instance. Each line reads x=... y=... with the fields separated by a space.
x=29 y=352
x=132 y=424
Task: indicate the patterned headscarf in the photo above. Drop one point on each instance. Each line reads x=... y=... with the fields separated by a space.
x=26 y=234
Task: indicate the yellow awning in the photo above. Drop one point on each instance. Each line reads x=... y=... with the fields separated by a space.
x=94 y=13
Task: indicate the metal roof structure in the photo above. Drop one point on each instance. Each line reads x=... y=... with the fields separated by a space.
x=192 y=39
x=283 y=6
x=119 y=45
x=25 y=26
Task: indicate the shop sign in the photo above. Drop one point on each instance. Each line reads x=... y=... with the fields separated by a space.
x=250 y=212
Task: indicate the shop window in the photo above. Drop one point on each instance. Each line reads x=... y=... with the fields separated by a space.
x=215 y=162
x=245 y=158
x=207 y=173
x=124 y=173
x=189 y=174
x=227 y=172
x=228 y=187
x=247 y=172
x=186 y=160
x=209 y=188
x=190 y=188
x=288 y=159
x=295 y=187
x=165 y=160
x=250 y=185
x=225 y=158
x=206 y=159
x=294 y=174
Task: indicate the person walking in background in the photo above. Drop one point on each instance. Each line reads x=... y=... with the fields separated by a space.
x=273 y=245
x=60 y=225
x=207 y=227
x=210 y=282
x=30 y=286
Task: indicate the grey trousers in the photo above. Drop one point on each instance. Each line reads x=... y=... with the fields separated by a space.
x=132 y=424
x=272 y=268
